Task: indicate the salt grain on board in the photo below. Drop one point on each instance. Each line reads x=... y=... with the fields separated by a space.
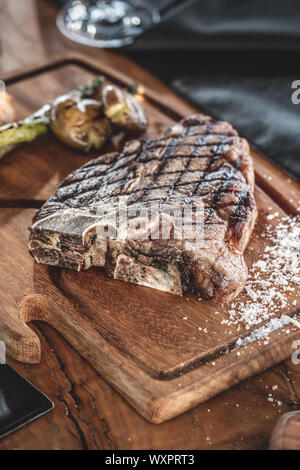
x=271 y=281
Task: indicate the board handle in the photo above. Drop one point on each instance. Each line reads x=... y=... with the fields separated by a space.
x=61 y=313
x=48 y=304
x=21 y=342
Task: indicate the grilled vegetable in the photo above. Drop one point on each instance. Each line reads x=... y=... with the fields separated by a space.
x=79 y=123
x=82 y=119
x=6 y=149
x=28 y=129
x=123 y=109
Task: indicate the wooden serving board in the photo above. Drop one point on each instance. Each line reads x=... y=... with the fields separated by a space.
x=146 y=343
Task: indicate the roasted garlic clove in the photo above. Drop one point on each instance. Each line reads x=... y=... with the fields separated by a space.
x=123 y=109
x=80 y=124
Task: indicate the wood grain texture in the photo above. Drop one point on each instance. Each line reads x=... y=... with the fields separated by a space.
x=144 y=342
x=89 y=413
x=286 y=435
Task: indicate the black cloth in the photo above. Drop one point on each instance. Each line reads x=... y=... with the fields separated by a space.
x=236 y=60
x=225 y=24
x=260 y=109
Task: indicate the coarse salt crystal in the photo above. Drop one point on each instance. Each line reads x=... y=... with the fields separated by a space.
x=272 y=216
x=271 y=280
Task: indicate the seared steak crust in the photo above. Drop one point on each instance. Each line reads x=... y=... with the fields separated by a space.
x=198 y=160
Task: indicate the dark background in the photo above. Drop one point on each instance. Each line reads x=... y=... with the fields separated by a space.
x=236 y=60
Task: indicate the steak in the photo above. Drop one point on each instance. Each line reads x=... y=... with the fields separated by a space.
x=196 y=182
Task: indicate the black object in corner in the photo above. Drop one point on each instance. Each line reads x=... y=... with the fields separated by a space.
x=20 y=401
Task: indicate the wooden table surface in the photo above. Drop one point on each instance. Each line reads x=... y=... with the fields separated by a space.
x=88 y=413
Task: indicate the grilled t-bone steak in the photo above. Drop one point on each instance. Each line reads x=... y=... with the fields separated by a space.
x=199 y=163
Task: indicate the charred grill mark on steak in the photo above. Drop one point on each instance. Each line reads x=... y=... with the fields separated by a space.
x=115 y=168
x=185 y=169
x=201 y=182
x=163 y=163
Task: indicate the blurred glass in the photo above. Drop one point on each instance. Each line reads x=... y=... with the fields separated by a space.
x=106 y=23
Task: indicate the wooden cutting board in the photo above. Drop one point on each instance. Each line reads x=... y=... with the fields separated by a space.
x=146 y=343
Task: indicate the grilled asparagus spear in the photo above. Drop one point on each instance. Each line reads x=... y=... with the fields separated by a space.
x=38 y=123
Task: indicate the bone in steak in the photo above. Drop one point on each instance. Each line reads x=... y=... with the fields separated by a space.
x=199 y=162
